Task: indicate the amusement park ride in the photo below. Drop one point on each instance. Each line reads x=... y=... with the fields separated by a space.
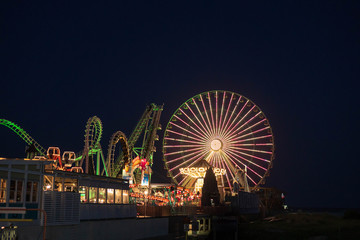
x=225 y=129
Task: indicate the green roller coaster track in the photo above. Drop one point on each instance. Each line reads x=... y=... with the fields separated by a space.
x=92 y=155
x=23 y=135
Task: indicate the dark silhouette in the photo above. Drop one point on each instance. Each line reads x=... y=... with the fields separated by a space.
x=31 y=151
x=210 y=192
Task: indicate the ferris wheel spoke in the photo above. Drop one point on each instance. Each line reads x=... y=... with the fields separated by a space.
x=183 y=151
x=250 y=133
x=198 y=156
x=254 y=144
x=212 y=115
x=187 y=178
x=186 y=130
x=222 y=164
x=206 y=114
x=188 y=181
x=251 y=179
x=253 y=156
x=246 y=123
x=184 y=135
x=212 y=161
x=202 y=116
x=264 y=144
x=230 y=157
x=180 y=146
x=216 y=110
x=186 y=156
x=246 y=167
x=217 y=161
x=227 y=128
x=230 y=162
x=182 y=140
x=235 y=146
x=221 y=113
x=231 y=115
x=251 y=139
x=247 y=160
x=199 y=128
x=221 y=127
x=201 y=134
x=205 y=129
x=232 y=129
x=226 y=166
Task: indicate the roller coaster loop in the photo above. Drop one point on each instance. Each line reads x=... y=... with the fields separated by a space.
x=117 y=137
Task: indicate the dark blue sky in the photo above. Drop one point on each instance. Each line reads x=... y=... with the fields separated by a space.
x=63 y=62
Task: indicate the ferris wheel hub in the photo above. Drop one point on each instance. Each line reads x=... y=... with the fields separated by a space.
x=216 y=145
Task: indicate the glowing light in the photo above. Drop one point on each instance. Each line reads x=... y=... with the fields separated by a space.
x=216 y=145
x=197 y=172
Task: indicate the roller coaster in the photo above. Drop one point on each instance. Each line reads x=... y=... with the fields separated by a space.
x=121 y=151
x=129 y=158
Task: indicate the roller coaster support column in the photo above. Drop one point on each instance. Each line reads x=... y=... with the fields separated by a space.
x=98 y=164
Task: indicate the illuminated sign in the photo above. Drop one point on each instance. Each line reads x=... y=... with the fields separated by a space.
x=145 y=180
x=197 y=172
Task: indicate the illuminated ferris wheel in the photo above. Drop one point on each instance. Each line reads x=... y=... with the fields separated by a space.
x=227 y=130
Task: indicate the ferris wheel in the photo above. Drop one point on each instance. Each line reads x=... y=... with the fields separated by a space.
x=224 y=128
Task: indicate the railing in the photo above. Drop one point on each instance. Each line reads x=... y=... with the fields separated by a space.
x=5 y=210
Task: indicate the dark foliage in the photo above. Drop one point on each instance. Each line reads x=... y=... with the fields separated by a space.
x=210 y=189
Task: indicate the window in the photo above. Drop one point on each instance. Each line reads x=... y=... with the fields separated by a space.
x=34 y=192
x=125 y=196
x=83 y=194
x=110 y=195
x=70 y=185
x=48 y=183
x=102 y=195
x=118 y=197
x=31 y=191
x=92 y=195
x=2 y=190
x=16 y=191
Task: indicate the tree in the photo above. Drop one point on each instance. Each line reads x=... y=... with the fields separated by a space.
x=210 y=189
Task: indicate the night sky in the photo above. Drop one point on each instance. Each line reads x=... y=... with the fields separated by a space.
x=62 y=62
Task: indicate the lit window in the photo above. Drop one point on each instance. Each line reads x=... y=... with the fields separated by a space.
x=31 y=191
x=93 y=195
x=34 y=192
x=102 y=195
x=118 y=198
x=126 y=196
x=83 y=194
x=28 y=191
x=16 y=191
x=48 y=182
x=2 y=190
x=110 y=195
